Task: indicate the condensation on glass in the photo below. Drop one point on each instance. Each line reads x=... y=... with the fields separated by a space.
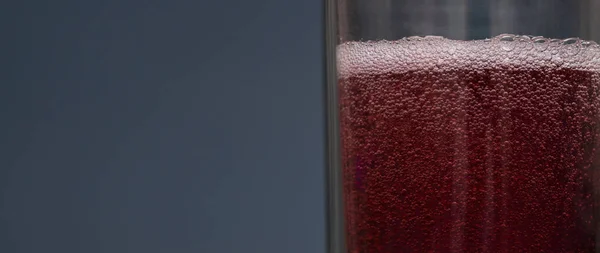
x=464 y=126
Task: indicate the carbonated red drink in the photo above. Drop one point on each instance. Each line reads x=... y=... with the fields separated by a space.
x=470 y=146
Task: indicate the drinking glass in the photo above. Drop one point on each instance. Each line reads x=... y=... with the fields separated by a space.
x=463 y=125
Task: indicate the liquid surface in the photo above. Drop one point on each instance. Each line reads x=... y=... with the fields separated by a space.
x=470 y=146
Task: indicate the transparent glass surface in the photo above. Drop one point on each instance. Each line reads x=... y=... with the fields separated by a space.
x=464 y=126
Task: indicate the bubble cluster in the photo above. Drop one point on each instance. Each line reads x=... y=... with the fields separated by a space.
x=471 y=146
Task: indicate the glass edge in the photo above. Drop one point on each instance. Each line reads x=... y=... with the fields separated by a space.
x=335 y=240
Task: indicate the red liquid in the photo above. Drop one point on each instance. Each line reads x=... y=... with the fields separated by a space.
x=452 y=146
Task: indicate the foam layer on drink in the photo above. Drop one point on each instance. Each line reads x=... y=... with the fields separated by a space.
x=426 y=53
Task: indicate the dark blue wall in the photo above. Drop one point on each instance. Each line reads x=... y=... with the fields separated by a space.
x=161 y=126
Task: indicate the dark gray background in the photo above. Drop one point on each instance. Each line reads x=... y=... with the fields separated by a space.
x=161 y=126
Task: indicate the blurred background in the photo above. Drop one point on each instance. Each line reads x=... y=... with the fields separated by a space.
x=161 y=126
x=468 y=19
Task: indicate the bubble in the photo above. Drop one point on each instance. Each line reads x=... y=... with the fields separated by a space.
x=554 y=46
x=432 y=37
x=524 y=43
x=506 y=42
x=590 y=49
x=570 y=47
x=541 y=43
